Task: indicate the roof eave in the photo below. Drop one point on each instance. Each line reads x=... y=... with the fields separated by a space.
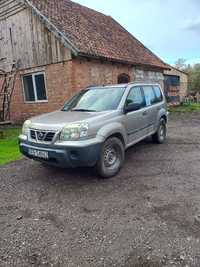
x=127 y=62
x=182 y=71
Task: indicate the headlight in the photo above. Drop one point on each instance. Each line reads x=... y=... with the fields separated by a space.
x=74 y=131
x=25 y=127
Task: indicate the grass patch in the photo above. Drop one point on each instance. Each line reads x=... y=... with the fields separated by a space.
x=9 y=150
x=187 y=107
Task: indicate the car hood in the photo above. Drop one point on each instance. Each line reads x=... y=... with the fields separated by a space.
x=58 y=119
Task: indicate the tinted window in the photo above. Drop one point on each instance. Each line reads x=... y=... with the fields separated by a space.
x=135 y=97
x=158 y=94
x=149 y=95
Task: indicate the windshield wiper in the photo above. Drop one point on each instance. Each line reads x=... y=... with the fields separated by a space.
x=83 y=110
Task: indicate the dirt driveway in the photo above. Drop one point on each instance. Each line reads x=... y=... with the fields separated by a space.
x=146 y=216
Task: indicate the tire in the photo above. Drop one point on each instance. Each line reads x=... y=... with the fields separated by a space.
x=111 y=158
x=160 y=136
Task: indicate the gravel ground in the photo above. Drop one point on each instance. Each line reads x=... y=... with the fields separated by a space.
x=149 y=215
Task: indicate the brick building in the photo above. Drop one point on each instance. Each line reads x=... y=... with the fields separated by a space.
x=60 y=47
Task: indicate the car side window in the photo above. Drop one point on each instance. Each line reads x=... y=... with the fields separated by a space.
x=149 y=94
x=159 y=96
x=135 y=97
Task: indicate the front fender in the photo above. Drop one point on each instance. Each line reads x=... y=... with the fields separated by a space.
x=111 y=129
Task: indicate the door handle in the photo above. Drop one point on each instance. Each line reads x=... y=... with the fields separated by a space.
x=145 y=113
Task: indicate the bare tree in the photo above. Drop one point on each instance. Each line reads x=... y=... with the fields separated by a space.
x=181 y=63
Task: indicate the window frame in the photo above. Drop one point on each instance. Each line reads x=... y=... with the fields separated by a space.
x=152 y=86
x=33 y=74
x=143 y=96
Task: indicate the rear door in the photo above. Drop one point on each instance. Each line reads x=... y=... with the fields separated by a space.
x=153 y=106
x=136 y=120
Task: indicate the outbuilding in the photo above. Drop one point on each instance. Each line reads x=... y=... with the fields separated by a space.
x=175 y=85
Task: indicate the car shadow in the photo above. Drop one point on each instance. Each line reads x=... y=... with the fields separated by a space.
x=89 y=174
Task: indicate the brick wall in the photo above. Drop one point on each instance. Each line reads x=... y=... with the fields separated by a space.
x=93 y=72
x=58 y=90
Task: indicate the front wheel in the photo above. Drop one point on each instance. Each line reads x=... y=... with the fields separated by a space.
x=160 y=136
x=111 y=158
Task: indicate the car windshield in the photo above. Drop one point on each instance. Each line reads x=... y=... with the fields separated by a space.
x=95 y=100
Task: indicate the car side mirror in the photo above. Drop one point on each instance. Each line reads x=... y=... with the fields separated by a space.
x=132 y=107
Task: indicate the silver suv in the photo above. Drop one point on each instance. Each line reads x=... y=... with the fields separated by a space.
x=96 y=126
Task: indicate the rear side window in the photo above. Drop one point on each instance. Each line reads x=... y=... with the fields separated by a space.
x=149 y=94
x=135 y=97
x=159 y=96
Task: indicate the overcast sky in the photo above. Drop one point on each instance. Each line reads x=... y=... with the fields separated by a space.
x=170 y=28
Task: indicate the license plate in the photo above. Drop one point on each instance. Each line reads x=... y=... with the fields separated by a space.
x=38 y=153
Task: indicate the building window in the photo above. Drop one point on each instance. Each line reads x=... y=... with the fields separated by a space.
x=34 y=87
x=123 y=78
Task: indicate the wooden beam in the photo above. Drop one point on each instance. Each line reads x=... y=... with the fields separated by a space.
x=9 y=14
x=5 y=3
x=9 y=8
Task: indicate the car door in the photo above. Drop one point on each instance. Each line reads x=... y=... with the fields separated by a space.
x=136 y=120
x=152 y=107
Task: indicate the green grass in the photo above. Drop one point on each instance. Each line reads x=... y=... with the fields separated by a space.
x=187 y=107
x=9 y=150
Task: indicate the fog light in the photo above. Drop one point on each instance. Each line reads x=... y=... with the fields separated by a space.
x=74 y=155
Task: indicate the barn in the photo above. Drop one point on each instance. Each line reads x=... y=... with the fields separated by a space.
x=51 y=49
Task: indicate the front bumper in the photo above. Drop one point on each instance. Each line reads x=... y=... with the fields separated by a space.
x=64 y=156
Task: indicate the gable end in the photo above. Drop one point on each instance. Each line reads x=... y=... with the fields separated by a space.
x=51 y=27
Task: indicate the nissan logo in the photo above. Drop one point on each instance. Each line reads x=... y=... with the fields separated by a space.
x=41 y=135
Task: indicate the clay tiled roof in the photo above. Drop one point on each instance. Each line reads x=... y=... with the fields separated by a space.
x=94 y=34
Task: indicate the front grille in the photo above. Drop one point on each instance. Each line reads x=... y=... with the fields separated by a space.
x=42 y=136
x=33 y=135
x=49 y=137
